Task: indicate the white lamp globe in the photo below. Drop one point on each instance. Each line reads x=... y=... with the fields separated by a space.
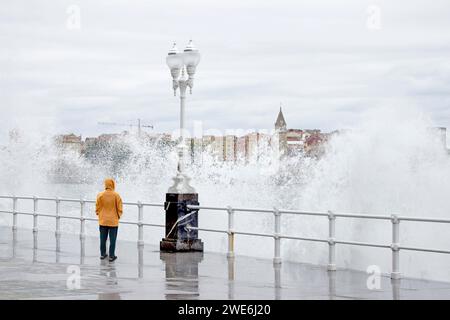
x=191 y=55
x=174 y=58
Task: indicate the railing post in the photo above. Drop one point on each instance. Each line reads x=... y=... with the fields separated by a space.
x=14 y=227
x=395 y=274
x=140 y=225
x=35 y=221
x=82 y=220
x=58 y=218
x=276 y=236
x=331 y=241
x=58 y=225
x=230 y=253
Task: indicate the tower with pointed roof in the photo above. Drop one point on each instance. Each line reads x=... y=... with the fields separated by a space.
x=281 y=133
x=280 y=124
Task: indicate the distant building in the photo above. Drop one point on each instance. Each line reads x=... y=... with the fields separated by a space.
x=314 y=144
x=281 y=134
x=70 y=142
x=230 y=148
x=242 y=145
x=294 y=141
x=164 y=139
x=280 y=123
x=253 y=146
x=218 y=148
x=207 y=142
x=250 y=147
x=195 y=146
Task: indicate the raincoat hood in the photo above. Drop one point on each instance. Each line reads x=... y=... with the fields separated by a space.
x=110 y=184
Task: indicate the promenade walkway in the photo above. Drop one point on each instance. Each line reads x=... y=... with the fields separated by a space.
x=43 y=273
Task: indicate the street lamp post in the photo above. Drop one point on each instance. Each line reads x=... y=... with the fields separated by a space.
x=179 y=218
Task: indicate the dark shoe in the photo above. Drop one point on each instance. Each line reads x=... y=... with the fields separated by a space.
x=111 y=259
x=104 y=257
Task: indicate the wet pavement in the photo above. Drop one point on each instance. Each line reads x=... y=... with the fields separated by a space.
x=144 y=273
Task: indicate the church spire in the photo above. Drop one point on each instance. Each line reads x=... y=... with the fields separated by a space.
x=280 y=124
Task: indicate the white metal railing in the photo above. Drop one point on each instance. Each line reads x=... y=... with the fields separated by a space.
x=331 y=240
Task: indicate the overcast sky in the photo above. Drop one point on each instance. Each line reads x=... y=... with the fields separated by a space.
x=325 y=61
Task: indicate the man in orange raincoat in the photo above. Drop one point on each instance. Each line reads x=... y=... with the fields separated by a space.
x=109 y=210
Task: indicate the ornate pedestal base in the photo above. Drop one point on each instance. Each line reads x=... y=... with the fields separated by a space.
x=172 y=245
x=179 y=219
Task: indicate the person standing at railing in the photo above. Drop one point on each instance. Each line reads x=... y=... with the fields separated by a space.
x=109 y=210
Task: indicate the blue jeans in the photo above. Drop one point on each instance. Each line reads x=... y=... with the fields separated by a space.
x=104 y=231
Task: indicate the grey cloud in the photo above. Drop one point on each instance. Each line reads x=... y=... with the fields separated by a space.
x=317 y=57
